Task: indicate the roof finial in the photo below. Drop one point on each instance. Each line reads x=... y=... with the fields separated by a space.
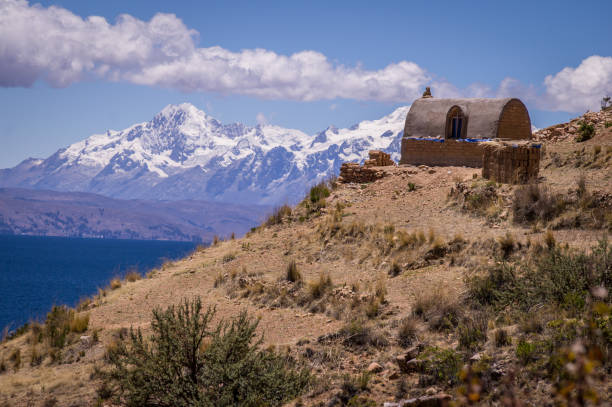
x=427 y=93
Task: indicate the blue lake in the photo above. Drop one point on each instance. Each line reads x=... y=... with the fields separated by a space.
x=39 y=272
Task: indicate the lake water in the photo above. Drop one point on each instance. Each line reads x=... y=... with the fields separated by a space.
x=39 y=272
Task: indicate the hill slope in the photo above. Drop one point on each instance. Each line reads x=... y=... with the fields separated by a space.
x=384 y=267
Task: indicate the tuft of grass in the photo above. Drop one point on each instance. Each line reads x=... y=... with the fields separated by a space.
x=115 y=283
x=36 y=357
x=79 y=323
x=319 y=287
x=15 y=358
x=502 y=338
x=407 y=331
x=395 y=269
x=132 y=276
x=228 y=257
x=411 y=187
x=278 y=215
x=473 y=331
x=534 y=203
x=549 y=239
x=506 y=244
x=293 y=274
x=359 y=333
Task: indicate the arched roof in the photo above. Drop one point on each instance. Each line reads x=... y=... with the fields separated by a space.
x=427 y=116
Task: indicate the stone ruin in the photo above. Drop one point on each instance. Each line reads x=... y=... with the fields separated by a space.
x=353 y=172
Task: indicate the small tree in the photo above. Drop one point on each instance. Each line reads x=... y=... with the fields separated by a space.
x=186 y=364
x=606 y=102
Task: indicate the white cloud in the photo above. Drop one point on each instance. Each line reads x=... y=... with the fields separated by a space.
x=261 y=119
x=59 y=47
x=581 y=88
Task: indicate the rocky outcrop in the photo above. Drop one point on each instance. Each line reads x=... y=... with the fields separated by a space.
x=571 y=130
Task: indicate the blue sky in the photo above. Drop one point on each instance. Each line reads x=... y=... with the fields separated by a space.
x=64 y=76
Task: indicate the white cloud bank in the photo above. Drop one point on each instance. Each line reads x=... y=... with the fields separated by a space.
x=59 y=47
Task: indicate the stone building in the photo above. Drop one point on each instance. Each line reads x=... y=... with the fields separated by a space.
x=460 y=131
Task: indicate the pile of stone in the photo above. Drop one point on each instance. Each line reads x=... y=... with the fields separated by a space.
x=511 y=163
x=569 y=131
x=353 y=172
x=378 y=159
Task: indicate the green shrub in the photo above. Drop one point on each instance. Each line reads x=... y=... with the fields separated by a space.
x=319 y=192
x=525 y=351
x=473 y=331
x=585 y=131
x=411 y=187
x=185 y=363
x=57 y=325
x=559 y=276
x=442 y=364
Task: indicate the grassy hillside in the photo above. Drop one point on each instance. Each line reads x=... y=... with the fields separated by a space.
x=430 y=282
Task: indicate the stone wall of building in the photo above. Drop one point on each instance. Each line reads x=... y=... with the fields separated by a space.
x=441 y=152
x=511 y=163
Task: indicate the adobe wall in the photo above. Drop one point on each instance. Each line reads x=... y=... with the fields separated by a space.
x=511 y=164
x=514 y=123
x=441 y=152
x=508 y=162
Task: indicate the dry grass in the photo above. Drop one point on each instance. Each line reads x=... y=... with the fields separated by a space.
x=115 y=283
x=132 y=276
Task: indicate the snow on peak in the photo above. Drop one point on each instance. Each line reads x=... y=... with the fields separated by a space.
x=184 y=141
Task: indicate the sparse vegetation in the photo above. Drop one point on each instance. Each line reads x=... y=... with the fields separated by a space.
x=186 y=363
x=318 y=287
x=115 y=283
x=278 y=215
x=534 y=203
x=132 y=276
x=407 y=331
x=502 y=338
x=293 y=275
x=585 y=131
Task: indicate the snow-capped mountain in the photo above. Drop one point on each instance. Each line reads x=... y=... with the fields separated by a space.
x=183 y=153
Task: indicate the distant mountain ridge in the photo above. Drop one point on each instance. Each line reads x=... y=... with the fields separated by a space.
x=184 y=153
x=79 y=214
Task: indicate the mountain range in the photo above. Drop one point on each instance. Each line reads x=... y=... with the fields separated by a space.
x=185 y=154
